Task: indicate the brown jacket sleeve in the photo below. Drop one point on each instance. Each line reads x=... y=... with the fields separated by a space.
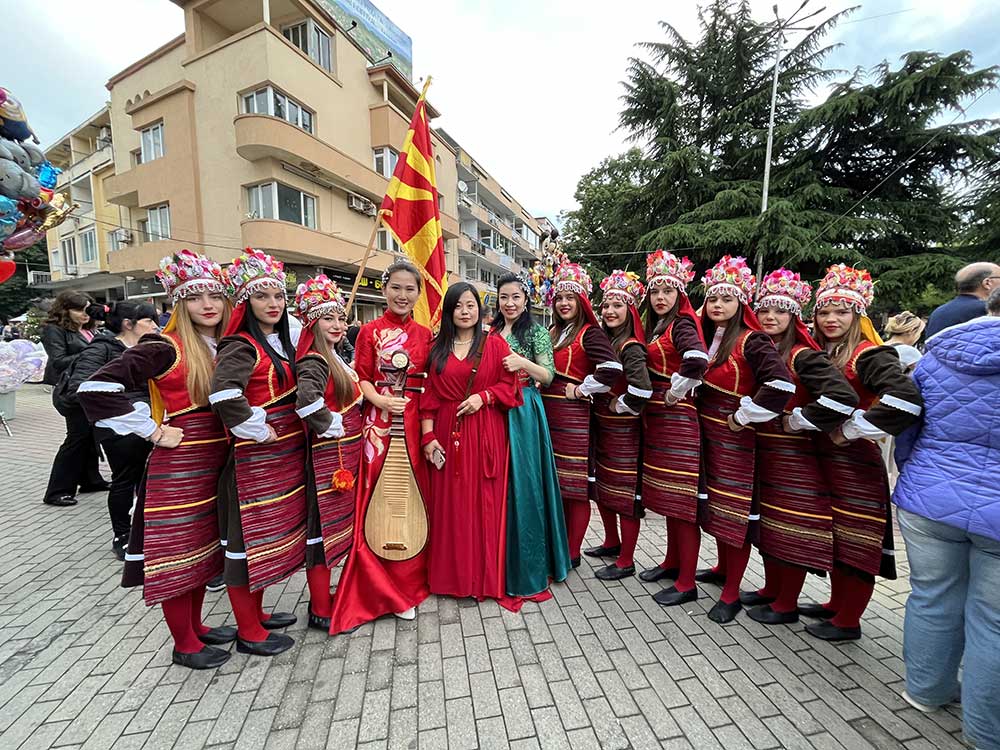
x=312 y=373
x=234 y=363
x=633 y=358
x=774 y=382
x=899 y=402
x=130 y=372
x=833 y=398
x=607 y=368
x=687 y=341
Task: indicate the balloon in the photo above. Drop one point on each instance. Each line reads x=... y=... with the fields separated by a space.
x=23 y=238
x=7 y=268
x=19 y=361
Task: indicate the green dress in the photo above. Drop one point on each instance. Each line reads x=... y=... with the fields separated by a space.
x=537 y=547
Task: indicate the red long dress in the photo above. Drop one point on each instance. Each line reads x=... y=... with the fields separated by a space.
x=371 y=587
x=468 y=524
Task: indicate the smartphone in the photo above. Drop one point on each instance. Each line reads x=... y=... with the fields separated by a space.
x=437 y=457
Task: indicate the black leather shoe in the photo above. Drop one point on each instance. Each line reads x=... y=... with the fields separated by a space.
x=118 y=545
x=753 y=599
x=764 y=614
x=575 y=562
x=723 y=613
x=216 y=584
x=99 y=487
x=207 y=658
x=279 y=620
x=276 y=643
x=827 y=631
x=63 y=501
x=614 y=573
x=651 y=575
x=710 y=575
x=602 y=551
x=671 y=597
x=816 y=610
x=220 y=635
x=319 y=623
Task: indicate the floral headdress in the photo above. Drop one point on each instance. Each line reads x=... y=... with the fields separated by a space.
x=850 y=287
x=785 y=290
x=624 y=284
x=253 y=271
x=570 y=277
x=665 y=268
x=187 y=274
x=731 y=276
x=317 y=297
x=543 y=274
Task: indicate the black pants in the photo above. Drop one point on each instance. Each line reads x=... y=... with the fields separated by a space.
x=126 y=456
x=75 y=465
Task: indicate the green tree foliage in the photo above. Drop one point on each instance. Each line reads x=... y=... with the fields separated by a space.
x=15 y=294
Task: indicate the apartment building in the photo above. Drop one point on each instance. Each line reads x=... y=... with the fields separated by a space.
x=267 y=125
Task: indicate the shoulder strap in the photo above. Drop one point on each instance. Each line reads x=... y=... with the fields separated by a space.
x=477 y=357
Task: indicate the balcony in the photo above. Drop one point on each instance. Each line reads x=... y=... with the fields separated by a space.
x=39 y=277
x=146 y=257
x=304 y=245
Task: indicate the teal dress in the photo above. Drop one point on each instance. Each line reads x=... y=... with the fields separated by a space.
x=537 y=547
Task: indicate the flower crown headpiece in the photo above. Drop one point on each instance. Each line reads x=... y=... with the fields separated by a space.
x=785 y=290
x=570 y=277
x=733 y=276
x=317 y=297
x=253 y=271
x=850 y=287
x=543 y=274
x=624 y=284
x=188 y=274
x=665 y=268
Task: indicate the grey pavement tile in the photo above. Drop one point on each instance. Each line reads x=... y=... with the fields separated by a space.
x=571 y=710
x=492 y=734
x=315 y=728
x=380 y=670
x=171 y=724
x=30 y=723
x=461 y=724
x=551 y=734
x=227 y=727
x=433 y=739
x=375 y=716
x=404 y=686
x=351 y=696
x=93 y=716
x=694 y=728
x=536 y=687
x=326 y=684
x=477 y=655
x=605 y=724
x=485 y=698
x=293 y=705
x=281 y=739
x=195 y=734
x=403 y=728
x=505 y=670
x=342 y=734
x=516 y=714
x=748 y=722
x=268 y=695
x=430 y=661
x=456 y=678
x=583 y=739
x=656 y=714
x=255 y=730
x=430 y=709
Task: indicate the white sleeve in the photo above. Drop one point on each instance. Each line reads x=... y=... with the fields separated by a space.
x=680 y=386
x=336 y=428
x=858 y=427
x=798 y=422
x=592 y=385
x=136 y=422
x=750 y=412
x=254 y=428
x=621 y=407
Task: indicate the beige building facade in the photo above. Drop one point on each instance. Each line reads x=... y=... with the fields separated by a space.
x=266 y=125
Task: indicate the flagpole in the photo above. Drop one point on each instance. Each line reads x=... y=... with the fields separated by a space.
x=364 y=262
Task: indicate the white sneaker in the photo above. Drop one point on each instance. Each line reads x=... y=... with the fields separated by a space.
x=408 y=614
x=919 y=706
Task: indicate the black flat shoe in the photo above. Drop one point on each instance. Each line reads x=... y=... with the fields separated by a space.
x=764 y=614
x=319 y=623
x=279 y=620
x=710 y=575
x=671 y=597
x=102 y=487
x=276 y=643
x=651 y=575
x=118 y=545
x=216 y=584
x=575 y=562
x=827 y=631
x=614 y=573
x=220 y=635
x=63 y=501
x=207 y=658
x=754 y=598
x=723 y=613
x=602 y=551
x=816 y=610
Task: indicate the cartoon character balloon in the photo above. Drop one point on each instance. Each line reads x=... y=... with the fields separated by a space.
x=13 y=120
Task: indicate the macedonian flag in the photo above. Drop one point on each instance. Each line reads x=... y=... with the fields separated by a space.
x=410 y=211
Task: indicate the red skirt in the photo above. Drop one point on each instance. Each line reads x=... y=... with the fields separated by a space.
x=331 y=509
x=796 y=522
x=671 y=456
x=729 y=469
x=174 y=544
x=569 y=428
x=862 y=515
x=616 y=459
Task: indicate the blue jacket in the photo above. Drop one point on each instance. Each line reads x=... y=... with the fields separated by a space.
x=950 y=462
x=961 y=309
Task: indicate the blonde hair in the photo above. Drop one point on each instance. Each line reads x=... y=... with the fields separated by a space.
x=841 y=351
x=903 y=324
x=198 y=359
x=343 y=386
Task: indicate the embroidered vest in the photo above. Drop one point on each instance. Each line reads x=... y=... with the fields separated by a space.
x=662 y=357
x=263 y=388
x=621 y=385
x=865 y=397
x=330 y=394
x=802 y=396
x=172 y=384
x=571 y=361
x=733 y=376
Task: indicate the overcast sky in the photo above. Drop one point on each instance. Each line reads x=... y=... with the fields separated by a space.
x=529 y=87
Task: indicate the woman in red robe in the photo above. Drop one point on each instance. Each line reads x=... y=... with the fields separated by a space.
x=371 y=586
x=464 y=419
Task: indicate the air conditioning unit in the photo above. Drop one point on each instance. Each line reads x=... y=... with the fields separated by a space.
x=104 y=135
x=361 y=205
x=124 y=237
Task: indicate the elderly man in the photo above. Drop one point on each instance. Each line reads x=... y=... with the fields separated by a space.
x=973 y=283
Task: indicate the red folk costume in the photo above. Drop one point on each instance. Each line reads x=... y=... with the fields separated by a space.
x=617 y=435
x=174 y=547
x=262 y=490
x=796 y=521
x=889 y=402
x=468 y=524
x=334 y=426
x=671 y=454
x=583 y=357
x=371 y=586
x=752 y=385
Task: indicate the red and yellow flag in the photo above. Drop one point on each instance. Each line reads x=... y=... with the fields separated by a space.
x=410 y=211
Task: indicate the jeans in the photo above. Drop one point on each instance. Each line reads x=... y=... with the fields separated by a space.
x=127 y=456
x=954 y=611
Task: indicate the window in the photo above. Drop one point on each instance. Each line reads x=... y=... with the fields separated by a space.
x=152 y=143
x=157 y=224
x=311 y=39
x=69 y=255
x=88 y=246
x=387 y=242
x=385 y=161
x=114 y=242
x=136 y=157
x=55 y=259
x=274 y=200
x=268 y=101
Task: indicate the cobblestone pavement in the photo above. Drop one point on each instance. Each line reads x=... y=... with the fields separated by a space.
x=84 y=664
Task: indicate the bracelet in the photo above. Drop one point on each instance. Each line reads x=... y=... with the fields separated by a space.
x=427 y=438
x=487 y=397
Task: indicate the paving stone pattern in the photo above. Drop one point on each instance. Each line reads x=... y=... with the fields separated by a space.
x=85 y=664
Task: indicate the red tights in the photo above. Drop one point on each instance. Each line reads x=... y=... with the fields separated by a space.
x=788 y=585
x=849 y=597
x=683 y=545
x=734 y=562
x=629 y=536
x=184 y=621
x=577 y=519
x=774 y=571
x=320 y=598
x=249 y=613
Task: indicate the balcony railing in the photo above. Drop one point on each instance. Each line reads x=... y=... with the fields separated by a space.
x=39 y=277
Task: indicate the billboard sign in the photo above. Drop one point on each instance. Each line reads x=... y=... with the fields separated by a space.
x=376 y=34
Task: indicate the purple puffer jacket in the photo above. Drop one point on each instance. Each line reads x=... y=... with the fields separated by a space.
x=950 y=462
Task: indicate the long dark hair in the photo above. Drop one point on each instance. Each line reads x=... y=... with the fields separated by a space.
x=66 y=301
x=525 y=321
x=280 y=328
x=559 y=325
x=445 y=339
x=119 y=312
x=734 y=328
x=656 y=324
